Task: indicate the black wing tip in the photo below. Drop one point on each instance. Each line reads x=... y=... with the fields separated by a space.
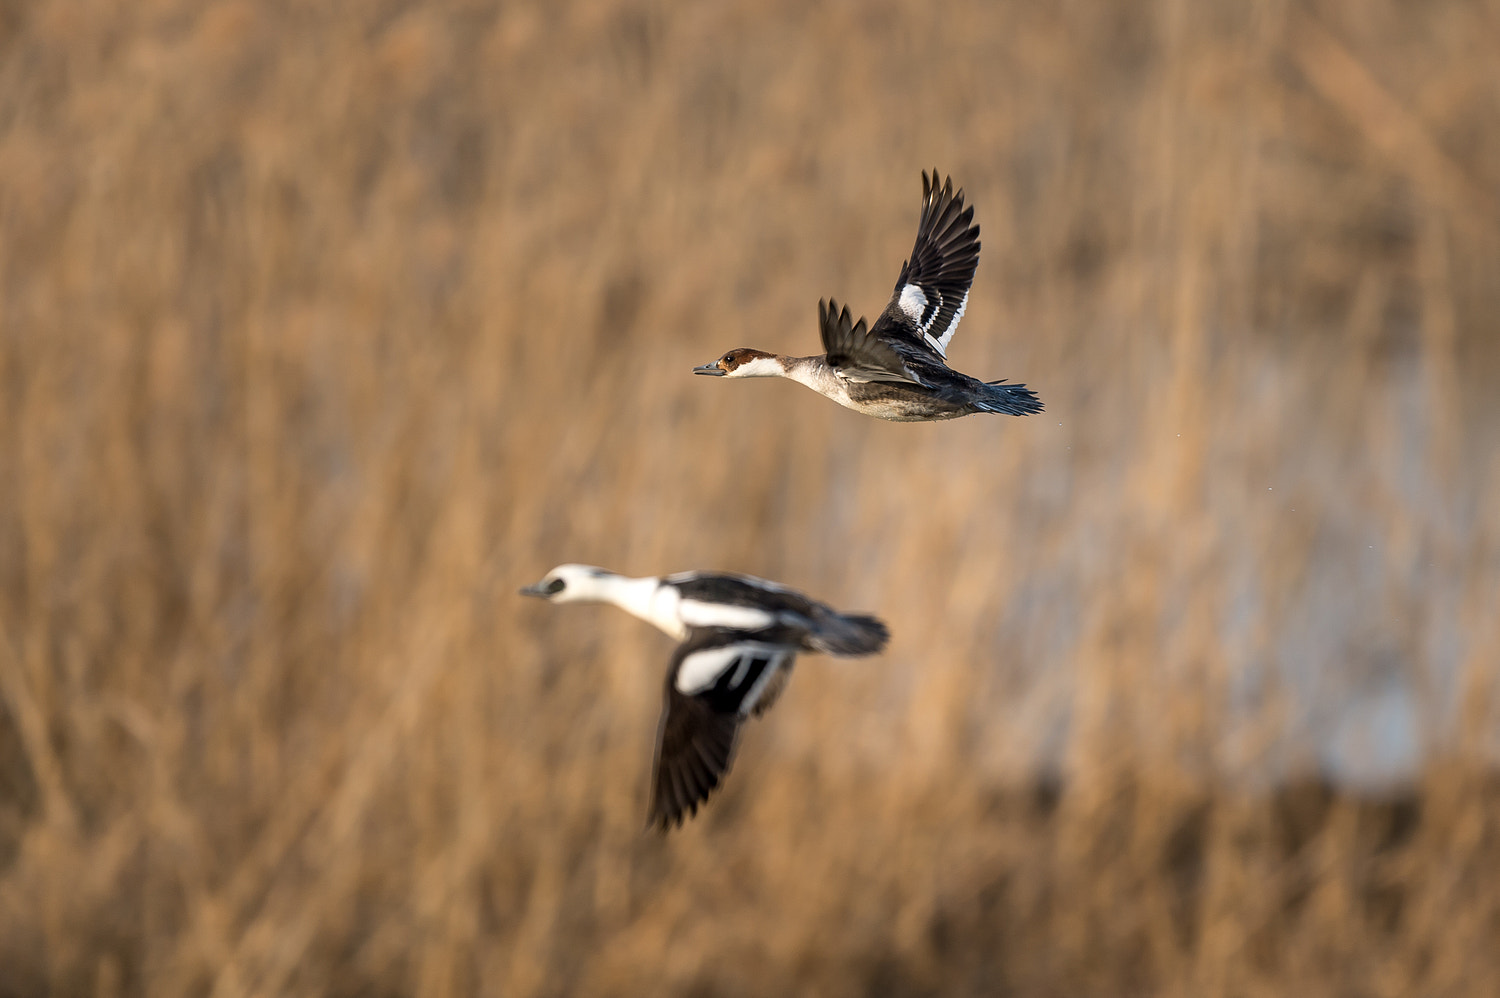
x=665 y=816
x=830 y=313
x=685 y=777
x=662 y=822
x=931 y=192
x=931 y=185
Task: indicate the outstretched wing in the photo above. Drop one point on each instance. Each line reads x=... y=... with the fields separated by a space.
x=854 y=352
x=694 y=748
x=717 y=679
x=934 y=284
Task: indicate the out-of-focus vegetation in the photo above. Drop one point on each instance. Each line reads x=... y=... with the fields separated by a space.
x=324 y=327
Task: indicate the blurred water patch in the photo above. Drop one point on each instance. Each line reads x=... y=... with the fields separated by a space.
x=1342 y=579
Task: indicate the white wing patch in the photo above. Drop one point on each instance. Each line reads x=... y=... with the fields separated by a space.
x=913 y=302
x=695 y=613
x=701 y=669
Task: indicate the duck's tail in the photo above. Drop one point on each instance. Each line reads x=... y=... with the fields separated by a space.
x=849 y=634
x=1013 y=400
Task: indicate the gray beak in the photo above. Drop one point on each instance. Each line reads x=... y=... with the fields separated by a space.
x=712 y=370
x=535 y=590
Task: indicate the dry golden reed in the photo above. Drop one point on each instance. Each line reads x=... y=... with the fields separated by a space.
x=325 y=327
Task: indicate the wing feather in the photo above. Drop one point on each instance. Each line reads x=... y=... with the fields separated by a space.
x=855 y=352
x=730 y=676
x=933 y=288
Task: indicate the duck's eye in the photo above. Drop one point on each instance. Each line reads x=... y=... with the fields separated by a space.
x=556 y=586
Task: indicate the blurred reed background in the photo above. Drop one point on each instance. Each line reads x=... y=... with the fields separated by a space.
x=325 y=327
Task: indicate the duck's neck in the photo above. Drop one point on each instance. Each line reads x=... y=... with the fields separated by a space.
x=645 y=598
x=813 y=372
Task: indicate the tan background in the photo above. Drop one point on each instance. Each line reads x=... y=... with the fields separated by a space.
x=325 y=327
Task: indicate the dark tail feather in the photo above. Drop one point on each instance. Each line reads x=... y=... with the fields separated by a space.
x=849 y=634
x=1013 y=400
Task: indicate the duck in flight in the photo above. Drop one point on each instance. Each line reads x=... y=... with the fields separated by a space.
x=897 y=369
x=739 y=637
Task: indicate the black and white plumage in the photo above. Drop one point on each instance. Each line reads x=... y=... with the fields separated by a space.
x=933 y=288
x=739 y=639
x=897 y=369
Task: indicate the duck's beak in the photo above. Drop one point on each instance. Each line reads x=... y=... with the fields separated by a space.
x=535 y=590
x=712 y=370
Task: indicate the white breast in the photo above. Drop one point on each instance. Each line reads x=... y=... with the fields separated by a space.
x=665 y=612
x=647 y=599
